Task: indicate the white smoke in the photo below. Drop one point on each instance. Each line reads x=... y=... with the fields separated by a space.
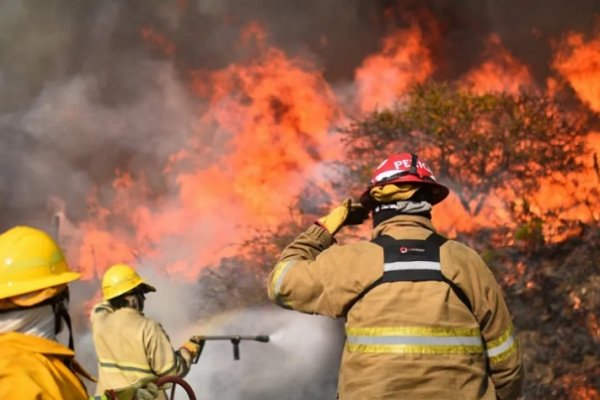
x=299 y=362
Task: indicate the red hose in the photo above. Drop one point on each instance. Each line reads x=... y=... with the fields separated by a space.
x=178 y=381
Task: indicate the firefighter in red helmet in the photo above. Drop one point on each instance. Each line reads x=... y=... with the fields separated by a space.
x=425 y=318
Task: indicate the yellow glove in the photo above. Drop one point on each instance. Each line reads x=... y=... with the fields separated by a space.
x=345 y=214
x=194 y=348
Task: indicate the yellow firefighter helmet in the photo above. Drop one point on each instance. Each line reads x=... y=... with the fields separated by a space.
x=32 y=266
x=120 y=279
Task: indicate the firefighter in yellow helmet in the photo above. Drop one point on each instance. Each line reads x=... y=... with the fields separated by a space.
x=131 y=347
x=425 y=318
x=33 y=306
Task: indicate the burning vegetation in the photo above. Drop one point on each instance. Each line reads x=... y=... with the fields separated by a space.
x=262 y=139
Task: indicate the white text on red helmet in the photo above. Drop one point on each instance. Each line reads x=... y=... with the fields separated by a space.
x=405 y=164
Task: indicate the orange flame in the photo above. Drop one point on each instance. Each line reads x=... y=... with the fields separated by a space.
x=500 y=72
x=593 y=326
x=579 y=388
x=269 y=122
x=383 y=77
x=578 y=61
x=576 y=300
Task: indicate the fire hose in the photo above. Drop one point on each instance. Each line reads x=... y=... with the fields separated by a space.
x=174 y=380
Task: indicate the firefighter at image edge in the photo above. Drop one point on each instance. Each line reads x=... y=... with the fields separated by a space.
x=34 y=296
x=33 y=308
x=424 y=315
x=132 y=348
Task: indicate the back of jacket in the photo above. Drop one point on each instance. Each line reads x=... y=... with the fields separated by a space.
x=413 y=340
x=37 y=368
x=132 y=348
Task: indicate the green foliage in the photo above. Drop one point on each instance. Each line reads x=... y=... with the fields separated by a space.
x=531 y=233
x=476 y=143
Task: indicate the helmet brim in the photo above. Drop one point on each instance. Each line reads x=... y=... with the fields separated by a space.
x=145 y=288
x=10 y=289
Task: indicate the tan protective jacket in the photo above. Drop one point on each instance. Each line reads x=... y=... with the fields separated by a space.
x=132 y=348
x=32 y=367
x=405 y=340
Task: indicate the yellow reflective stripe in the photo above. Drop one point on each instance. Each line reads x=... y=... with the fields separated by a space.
x=414 y=340
x=131 y=368
x=501 y=339
x=412 y=331
x=502 y=347
x=280 y=270
x=413 y=349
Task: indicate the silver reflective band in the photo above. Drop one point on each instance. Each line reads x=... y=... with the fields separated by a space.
x=506 y=345
x=284 y=270
x=411 y=265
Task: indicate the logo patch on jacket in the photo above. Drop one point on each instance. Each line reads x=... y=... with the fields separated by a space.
x=409 y=249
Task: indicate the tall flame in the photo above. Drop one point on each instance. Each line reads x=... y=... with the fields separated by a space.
x=382 y=77
x=499 y=72
x=578 y=61
x=262 y=133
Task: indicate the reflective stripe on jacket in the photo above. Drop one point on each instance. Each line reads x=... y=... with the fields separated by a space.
x=132 y=348
x=408 y=339
x=36 y=368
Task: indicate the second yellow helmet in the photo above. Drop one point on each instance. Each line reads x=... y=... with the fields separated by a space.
x=120 y=279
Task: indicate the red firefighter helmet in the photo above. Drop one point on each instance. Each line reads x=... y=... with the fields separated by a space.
x=404 y=168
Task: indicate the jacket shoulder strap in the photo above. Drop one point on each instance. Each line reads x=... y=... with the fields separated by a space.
x=411 y=260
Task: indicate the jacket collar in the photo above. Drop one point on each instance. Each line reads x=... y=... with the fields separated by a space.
x=403 y=220
x=35 y=344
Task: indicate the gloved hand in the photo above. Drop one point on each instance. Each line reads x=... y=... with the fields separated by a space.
x=194 y=346
x=139 y=391
x=149 y=392
x=345 y=214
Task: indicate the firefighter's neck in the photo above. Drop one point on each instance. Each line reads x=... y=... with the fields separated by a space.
x=35 y=321
x=135 y=301
x=383 y=212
